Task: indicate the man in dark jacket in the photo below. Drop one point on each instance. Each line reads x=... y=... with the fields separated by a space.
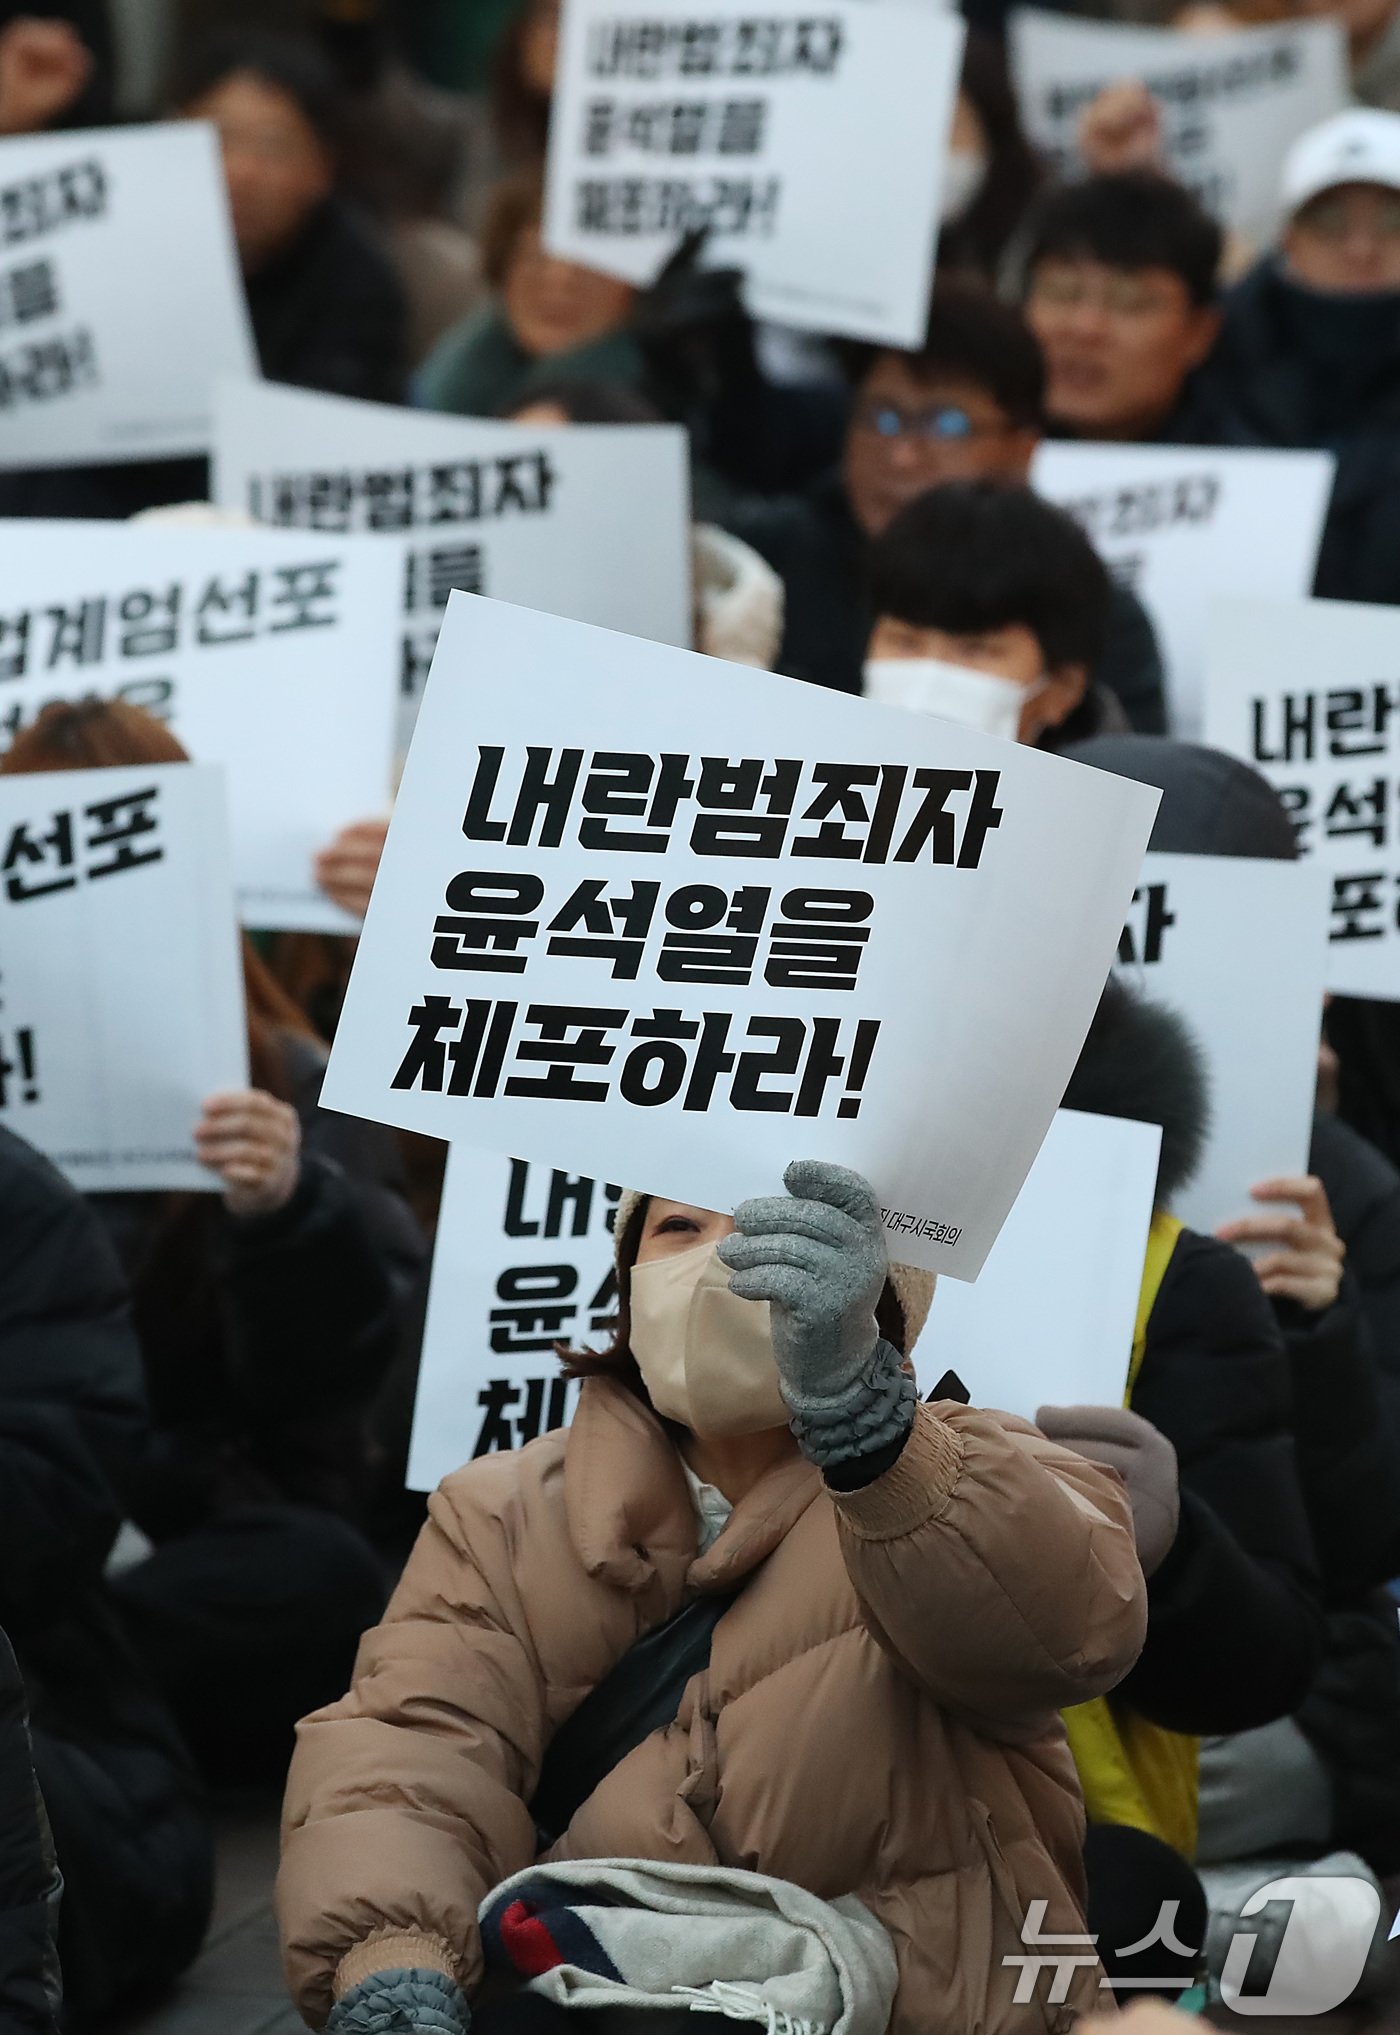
x=1309 y=350
x=967 y=406
x=30 y=1987
x=125 y=1807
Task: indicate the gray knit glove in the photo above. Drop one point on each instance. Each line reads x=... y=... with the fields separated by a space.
x=818 y=1255
x=407 y=2002
x=1144 y=1459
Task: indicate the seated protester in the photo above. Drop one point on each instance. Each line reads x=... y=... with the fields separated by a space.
x=1309 y=351
x=268 y=1316
x=1121 y=284
x=125 y=1807
x=327 y=308
x=967 y=406
x=31 y=1988
x=1335 y=1290
x=990 y=579
x=764 y=1480
x=1206 y=1447
x=547 y=318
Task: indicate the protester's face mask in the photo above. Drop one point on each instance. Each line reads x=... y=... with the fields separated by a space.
x=964 y=174
x=974 y=699
x=705 y=1355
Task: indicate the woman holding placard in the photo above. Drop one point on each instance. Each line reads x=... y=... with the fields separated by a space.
x=268 y=1315
x=756 y=1609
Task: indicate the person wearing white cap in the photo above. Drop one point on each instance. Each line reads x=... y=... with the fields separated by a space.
x=1309 y=350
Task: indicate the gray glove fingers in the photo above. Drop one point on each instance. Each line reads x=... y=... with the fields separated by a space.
x=778 y=1216
x=817 y=1180
x=816 y=1262
x=788 y=1287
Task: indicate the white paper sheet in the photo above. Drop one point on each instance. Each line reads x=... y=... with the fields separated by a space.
x=268 y=651
x=121 y=981
x=120 y=294
x=898 y=977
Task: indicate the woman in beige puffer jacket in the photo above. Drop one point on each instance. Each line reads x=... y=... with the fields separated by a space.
x=924 y=1587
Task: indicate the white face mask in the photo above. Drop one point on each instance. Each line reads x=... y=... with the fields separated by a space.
x=705 y=1355
x=964 y=174
x=974 y=699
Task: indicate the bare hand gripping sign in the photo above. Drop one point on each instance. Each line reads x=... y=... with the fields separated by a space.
x=668 y=921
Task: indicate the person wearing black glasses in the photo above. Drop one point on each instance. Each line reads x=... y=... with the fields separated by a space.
x=967 y=406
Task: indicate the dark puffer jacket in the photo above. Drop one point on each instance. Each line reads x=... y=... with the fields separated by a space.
x=1234 y=1627
x=126 y=1809
x=30 y=1988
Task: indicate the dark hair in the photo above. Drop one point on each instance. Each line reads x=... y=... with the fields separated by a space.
x=110 y=734
x=515 y=203
x=975 y=555
x=519 y=114
x=293 y=63
x=972 y=336
x=585 y=402
x=979 y=240
x=1140 y=1059
x=1135 y=219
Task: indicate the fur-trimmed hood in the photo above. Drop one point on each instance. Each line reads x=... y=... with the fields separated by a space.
x=1141 y=1060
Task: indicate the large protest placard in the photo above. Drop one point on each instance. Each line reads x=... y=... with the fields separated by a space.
x=120 y=296
x=808 y=143
x=1179 y=524
x=1238 y=948
x=1232 y=104
x=587 y=520
x=651 y=916
x=1050 y=1320
x=271 y=652
x=1309 y=693
x=121 y=982
x=523 y=1263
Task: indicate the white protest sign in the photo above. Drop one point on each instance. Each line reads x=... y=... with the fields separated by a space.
x=1238 y=947
x=268 y=651
x=1232 y=104
x=810 y=143
x=523 y=1262
x=754 y=922
x=121 y=981
x=586 y=520
x=120 y=296
x=1050 y=1321
x=1178 y=524
x=1309 y=693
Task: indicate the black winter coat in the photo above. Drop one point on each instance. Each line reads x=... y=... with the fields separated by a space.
x=330 y=313
x=1234 y=1630
x=816 y=547
x=1296 y=368
x=29 y=1982
x=125 y=1805
x=266 y=1338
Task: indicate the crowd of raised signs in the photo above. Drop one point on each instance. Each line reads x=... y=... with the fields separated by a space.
x=1010 y=401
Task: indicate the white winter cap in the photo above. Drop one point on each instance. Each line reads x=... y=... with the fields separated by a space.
x=1361 y=146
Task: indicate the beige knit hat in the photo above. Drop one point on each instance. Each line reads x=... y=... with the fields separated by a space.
x=913 y=1287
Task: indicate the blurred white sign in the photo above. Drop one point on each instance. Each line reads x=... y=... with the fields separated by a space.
x=269 y=651
x=121 y=980
x=810 y=145
x=1232 y=104
x=120 y=294
x=1179 y=524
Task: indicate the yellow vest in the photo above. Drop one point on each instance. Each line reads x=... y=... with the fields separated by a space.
x=1131 y=1771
